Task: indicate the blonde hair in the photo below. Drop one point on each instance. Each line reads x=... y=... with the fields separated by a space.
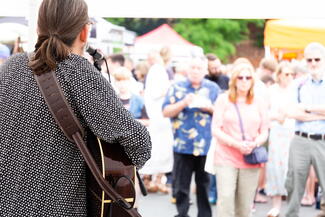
x=165 y=54
x=269 y=64
x=122 y=73
x=236 y=69
x=143 y=68
x=279 y=69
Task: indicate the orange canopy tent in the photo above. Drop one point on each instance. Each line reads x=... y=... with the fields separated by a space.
x=286 y=39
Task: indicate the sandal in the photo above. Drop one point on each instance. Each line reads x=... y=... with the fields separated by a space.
x=163 y=188
x=307 y=201
x=259 y=198
x=274 y=212
x=152 y=188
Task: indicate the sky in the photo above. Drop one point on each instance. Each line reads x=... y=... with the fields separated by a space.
x=251 y=9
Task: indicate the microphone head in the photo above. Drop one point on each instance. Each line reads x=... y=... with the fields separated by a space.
x=94 y=53
x=90 y=50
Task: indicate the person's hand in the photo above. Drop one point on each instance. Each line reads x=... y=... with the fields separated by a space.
x=207 y=108
x=280 y=118
x=188 y=99
x=303 y=108
x=246 y=147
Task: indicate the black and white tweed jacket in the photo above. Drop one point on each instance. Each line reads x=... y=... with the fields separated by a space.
x=41 y=172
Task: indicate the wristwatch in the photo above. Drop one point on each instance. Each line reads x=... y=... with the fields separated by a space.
x=307 y=109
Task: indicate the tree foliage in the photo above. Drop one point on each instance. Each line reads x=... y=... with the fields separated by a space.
x=140 y=25
x=218 y=36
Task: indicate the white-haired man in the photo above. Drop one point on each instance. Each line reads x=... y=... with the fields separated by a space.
x=308 y=145
x=189 y=106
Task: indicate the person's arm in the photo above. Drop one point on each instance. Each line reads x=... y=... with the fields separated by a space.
x=216 y=92
x=100 y=109
x=300 y=113
x=317 y=109
x=261 y=138
x=208 y=109
x=217 y=124
x=263 y=135
x=297 y=110
x=242 y=146
x=172 y=110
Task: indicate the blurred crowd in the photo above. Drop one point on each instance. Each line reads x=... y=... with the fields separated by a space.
x=204 y=116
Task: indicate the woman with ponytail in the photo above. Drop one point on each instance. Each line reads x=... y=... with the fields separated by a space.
x=41 y=172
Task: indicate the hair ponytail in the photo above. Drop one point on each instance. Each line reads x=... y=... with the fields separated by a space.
x=59 y=23
x=48 y=52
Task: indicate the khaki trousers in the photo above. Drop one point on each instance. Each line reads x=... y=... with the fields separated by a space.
x=303 y=153
x=236 y=190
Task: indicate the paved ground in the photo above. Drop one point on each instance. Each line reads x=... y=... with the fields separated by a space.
x=158 y=205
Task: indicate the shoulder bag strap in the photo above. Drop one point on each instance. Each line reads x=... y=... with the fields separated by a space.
x=72 y=129
x=240 y=122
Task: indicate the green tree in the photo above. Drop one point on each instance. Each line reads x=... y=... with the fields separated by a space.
x=219 y=36
x=140 y=25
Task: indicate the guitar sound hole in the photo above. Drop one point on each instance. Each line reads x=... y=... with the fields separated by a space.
x=125 y=187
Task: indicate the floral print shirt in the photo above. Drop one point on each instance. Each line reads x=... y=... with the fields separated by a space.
x=192 y=126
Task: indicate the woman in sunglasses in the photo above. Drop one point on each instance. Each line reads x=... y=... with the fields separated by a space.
x=239 y=125
x=281 y=133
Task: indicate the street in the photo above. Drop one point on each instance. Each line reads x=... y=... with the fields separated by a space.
x=159 y=205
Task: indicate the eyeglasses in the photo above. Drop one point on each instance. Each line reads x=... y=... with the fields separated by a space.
x=247 y=78
x=309 y=60
x=90 y=22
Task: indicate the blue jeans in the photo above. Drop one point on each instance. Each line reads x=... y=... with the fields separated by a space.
x=213 y=193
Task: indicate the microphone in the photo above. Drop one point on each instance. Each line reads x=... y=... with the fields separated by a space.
x=94 y=53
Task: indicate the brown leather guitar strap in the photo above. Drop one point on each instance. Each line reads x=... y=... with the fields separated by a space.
x=72 y=129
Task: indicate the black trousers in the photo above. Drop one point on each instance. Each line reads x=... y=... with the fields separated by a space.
x=184 y=166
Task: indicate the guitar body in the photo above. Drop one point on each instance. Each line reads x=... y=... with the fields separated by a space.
x=118 y=170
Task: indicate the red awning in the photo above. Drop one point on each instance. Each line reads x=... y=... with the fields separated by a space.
x=164 y=34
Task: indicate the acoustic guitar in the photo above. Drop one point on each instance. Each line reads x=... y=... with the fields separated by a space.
x=110 y=158
x=118 y=170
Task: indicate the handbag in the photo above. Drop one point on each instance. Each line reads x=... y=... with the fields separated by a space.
x=259 y=153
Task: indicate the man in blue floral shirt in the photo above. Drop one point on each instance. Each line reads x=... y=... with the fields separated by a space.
x=189 y=105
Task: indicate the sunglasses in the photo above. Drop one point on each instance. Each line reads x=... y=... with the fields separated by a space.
x=309 y=60
x=247 y=78
x=289 y=74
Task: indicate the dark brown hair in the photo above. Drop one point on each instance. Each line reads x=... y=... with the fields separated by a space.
x=117 y=58
x=59 y=23
x=211 y=57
